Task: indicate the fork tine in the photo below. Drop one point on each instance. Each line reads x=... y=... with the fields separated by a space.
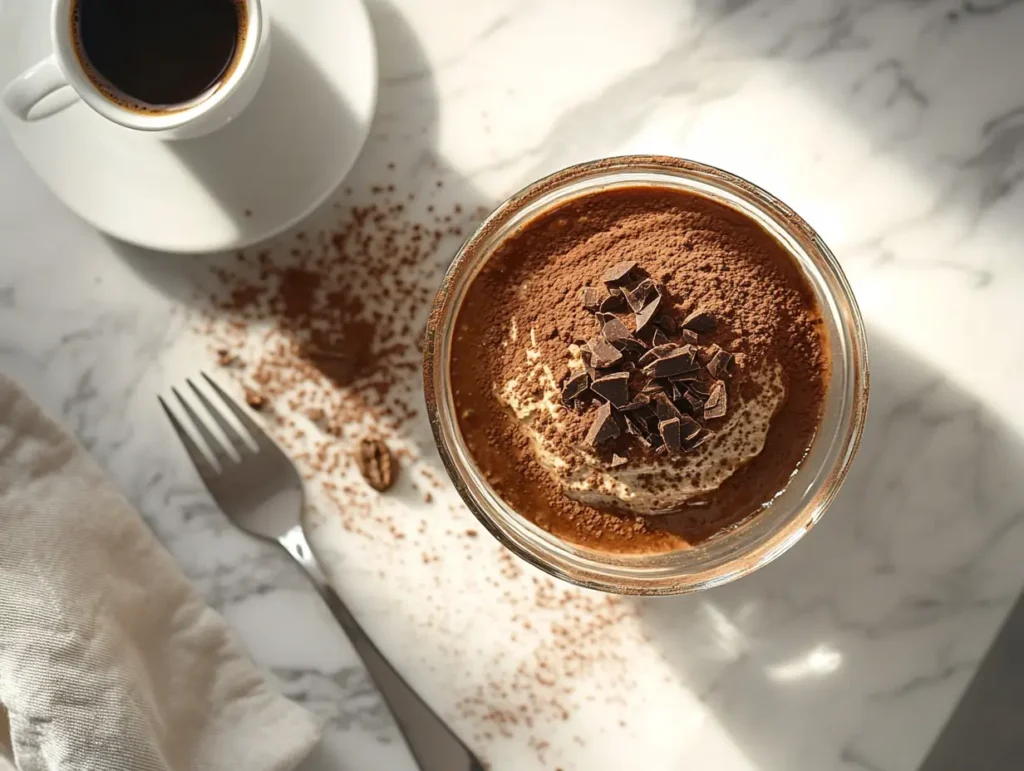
x=263 y=441
x=241 y=446
x=215 y=446
x=206 y=469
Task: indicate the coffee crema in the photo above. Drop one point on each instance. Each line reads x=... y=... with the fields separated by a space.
x=158 y=55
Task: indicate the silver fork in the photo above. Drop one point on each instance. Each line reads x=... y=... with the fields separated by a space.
x=260 y=490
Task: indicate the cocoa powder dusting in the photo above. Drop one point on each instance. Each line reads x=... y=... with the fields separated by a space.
x=710 y=260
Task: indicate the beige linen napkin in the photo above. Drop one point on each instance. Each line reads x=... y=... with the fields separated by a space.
x=109 y=660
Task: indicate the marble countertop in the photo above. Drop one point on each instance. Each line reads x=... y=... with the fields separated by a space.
x=895 y=128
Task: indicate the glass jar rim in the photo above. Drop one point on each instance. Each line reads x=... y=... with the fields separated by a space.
x=654 y=574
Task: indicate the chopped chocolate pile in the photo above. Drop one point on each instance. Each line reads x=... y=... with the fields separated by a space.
x=572 y=275
x=638 y=379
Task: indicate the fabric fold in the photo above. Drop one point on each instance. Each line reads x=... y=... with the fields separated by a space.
x=109 y=659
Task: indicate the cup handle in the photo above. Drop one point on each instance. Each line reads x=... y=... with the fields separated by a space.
x=32 y=86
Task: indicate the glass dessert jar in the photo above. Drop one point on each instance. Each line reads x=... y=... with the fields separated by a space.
x=736 y=550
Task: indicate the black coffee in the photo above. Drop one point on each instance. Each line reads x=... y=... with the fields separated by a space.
x=158 y=54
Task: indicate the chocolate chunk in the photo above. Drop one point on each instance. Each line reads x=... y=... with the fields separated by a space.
x=650 y=420
x=613 y=388
x=376 y=463
x=630 y=345
x=693 y=402
x=652 y=388
x=635 y=425
x=700 y=387
x=646 y=315
x=716 y=403
x=699 y=321
x=613 y=302
x=640 y=294
x=645 y=439
x=721 y=364
x=603 y=428
x=695 y=372
x=618 y=272
x=656 y=353
x=615 y=331
x=689 y=376
x=691 y=444
x=689 y=336
x=587 y=356
x=640 y=400
x=688 y=427
x=605 y=355
x=574 y=387
x=670 y=434
x=653 y=438
x=664 y=409
x=644 y=418
x=591 y=297
x=675 y=392
x=617 y=460
x=666 y=322
x=659 y=338
x=629 y=366
x=672 y=365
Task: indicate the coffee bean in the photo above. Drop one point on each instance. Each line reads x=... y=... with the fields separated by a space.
x=255 y=399
x=376 y=463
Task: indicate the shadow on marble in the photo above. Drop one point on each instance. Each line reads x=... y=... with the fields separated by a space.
x=401 y=148
x=933 y=85
x=299 y=114
x=850 y=651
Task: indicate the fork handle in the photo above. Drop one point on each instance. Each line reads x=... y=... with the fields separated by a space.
x=432 y=743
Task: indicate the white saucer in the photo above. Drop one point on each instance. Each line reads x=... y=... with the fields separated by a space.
x=258 y=176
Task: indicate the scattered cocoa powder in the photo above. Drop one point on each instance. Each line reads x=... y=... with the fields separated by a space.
x=330 y=327
x=568 y=635
x=376 y=268
x=710 y=259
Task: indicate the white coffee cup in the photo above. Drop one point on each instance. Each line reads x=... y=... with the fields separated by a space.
x=33 y=95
